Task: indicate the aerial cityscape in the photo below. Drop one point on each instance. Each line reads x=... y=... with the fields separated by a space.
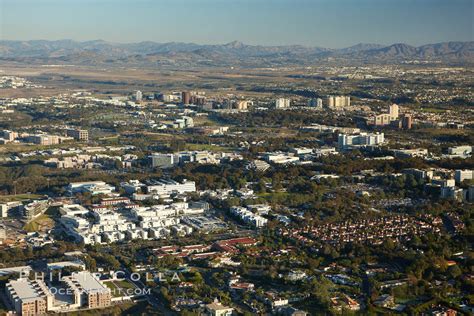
x=152 y=164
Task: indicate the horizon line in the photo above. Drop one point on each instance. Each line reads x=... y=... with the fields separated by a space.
x=231 y=42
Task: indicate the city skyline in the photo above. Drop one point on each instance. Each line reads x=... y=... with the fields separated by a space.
x=331 y=24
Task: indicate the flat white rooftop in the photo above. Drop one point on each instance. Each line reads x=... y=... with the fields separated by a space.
x=25 y=289
x=88 y=282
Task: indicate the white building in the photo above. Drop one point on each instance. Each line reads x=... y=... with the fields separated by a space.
x=460 y=150
x=282 y=103
x=93 y=187
x=461 y=175
x=248 y=216
x=167 y=187
x=138 y=95
x=362 y=139
x=132 y=186
x=281 y=158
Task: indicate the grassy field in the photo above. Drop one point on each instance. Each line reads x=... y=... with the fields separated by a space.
x=199 y=147
x=18 y=197
x=119 y=288
x=41 y=223
x=204 y=121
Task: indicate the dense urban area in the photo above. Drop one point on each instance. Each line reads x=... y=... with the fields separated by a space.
x=324 y=189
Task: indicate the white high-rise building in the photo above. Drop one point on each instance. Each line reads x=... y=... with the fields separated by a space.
x=138 y=95
x=319 y=103
x=282 y=103
x=393 y=111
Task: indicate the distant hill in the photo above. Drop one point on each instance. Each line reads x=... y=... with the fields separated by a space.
x=234 y=53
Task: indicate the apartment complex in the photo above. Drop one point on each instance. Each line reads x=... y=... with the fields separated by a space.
x=88 y=291
x=29 y=297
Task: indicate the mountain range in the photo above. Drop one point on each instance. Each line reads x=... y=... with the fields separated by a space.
x=99 y=52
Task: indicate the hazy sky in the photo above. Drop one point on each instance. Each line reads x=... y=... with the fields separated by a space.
x=328 y=23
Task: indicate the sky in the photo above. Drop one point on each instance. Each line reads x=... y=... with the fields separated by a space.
x=325 y=23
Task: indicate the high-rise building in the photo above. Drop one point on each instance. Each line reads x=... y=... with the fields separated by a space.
x=138 y=95
x=9 y=135
x=407 y=121
x=338 y=101
x=282 y=103
x=316 y=103
x=393 y=111
x=186 y=97
x=242 y=105
x=461 y=175
x=319 y=103
x=471 y=193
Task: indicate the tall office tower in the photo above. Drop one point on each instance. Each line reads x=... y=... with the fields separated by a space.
x=186 y=97
x=319 y=103
x=316 y=103
x=282 y=103
x=330 y=102
x=348 y=101
x=393 y=111
x=138 y=95
x=242 y=105
x=338 y=101
x=407 y=121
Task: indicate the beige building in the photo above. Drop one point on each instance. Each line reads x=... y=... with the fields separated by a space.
x=9 y=135
x=217 y=309
x=382 y=119
x=78 y=134
x=282 y=103
x=43 y=139
x=338 y=101
x=242 y=105
x=89 y=291
x=393 y=111
x=29 y=297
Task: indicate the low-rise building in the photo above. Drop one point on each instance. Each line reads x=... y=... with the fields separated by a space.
x=89 y=291
x=29 y=297
x=78 y=134
x=168 y=186
x=346 y=141
x=93 y=187
x=217 y=309
x=248 y=216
